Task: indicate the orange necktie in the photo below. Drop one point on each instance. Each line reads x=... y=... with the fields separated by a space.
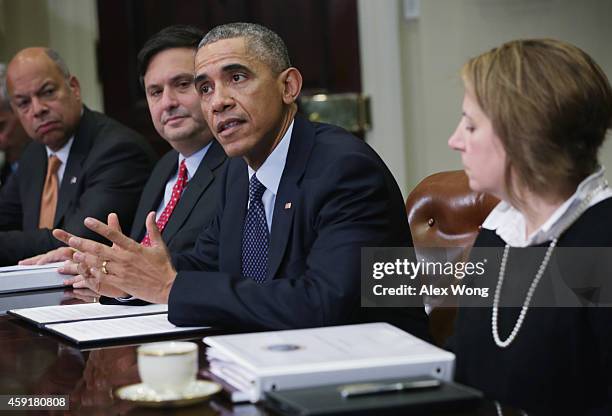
x=48 y=202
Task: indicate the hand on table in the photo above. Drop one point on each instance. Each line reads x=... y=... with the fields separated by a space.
x=126 y=267
x=59 y=254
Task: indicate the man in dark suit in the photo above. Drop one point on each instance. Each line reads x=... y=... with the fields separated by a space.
x=165 y=65
x=166 y=69
x=13 y=138
x=296 y=208
x=80 y=164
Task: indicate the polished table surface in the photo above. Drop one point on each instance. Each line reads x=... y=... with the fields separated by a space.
x=36 y=363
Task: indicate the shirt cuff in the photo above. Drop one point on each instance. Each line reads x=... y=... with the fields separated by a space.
x=126 y=299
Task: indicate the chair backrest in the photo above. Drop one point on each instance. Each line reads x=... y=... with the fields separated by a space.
x=444 y=212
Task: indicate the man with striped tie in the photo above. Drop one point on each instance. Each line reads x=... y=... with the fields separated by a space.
x=80 y=162
x=182 y=189
x=299 y=200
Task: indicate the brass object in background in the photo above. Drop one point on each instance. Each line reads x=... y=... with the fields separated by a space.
x=348 y=110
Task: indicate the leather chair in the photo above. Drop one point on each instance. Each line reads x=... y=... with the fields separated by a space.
x=444 y=212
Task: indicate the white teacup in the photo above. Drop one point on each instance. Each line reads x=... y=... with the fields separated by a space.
x=168 y=367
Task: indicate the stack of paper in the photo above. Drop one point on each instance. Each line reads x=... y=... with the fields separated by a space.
x=22 y=278
x=94 y=322
x=279 y=360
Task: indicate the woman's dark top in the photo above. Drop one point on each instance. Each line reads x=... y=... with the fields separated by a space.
x=561 y=360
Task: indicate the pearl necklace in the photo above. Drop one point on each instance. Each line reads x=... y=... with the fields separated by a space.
x=534 y=284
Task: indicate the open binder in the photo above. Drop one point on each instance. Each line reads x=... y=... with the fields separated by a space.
x=93 y=323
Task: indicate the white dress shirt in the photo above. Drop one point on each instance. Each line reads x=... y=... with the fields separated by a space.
x=509 y=223
x=62 y=155
x=270 y=172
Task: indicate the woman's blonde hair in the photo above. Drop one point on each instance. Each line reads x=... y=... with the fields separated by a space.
x=550 y=104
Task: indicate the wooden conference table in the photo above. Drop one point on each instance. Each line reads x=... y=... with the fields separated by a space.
x=33 y=362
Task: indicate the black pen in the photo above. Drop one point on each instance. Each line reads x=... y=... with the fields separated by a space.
x=354 y=390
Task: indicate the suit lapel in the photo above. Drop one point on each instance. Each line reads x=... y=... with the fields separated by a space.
x=154 y=196
x=302 y=140
x=195 y=188
x=37 y=171
x=234 y=212
x=74 y=166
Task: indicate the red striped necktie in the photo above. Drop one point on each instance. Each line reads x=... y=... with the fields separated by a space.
x=177 y=191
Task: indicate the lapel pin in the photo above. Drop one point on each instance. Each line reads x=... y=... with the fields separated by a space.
x=73 y=180
x=288 y=205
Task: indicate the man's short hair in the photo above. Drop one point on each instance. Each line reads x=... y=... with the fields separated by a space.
x=176 y=36
x=59 y=61
x=260 y=41
x=4 y=97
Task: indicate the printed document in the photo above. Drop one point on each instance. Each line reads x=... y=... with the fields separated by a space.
x=106 y=329
x=86 y=311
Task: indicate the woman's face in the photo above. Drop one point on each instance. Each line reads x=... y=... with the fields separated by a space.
x=482 y=154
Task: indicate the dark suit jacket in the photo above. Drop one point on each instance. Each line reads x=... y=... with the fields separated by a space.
x=342 y=198
x=5 y=172
x=197 y=205
x=106 y=170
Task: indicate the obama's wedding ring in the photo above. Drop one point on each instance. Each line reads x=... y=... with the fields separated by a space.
x=104 y=264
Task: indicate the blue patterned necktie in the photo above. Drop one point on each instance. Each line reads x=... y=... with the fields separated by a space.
x=255 y=236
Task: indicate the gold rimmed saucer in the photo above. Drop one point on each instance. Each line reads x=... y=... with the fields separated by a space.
x=142 y=395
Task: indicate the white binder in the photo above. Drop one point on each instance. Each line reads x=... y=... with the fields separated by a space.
x=24 y=278
x=278 y=360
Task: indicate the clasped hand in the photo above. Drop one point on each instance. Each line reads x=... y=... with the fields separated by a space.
x=126 y=268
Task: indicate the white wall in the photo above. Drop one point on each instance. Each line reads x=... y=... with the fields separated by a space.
x=68 y=26
x=73 y=30
x=22 y=23
x=448 y=32
x=410 y=68
x=381 y=73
